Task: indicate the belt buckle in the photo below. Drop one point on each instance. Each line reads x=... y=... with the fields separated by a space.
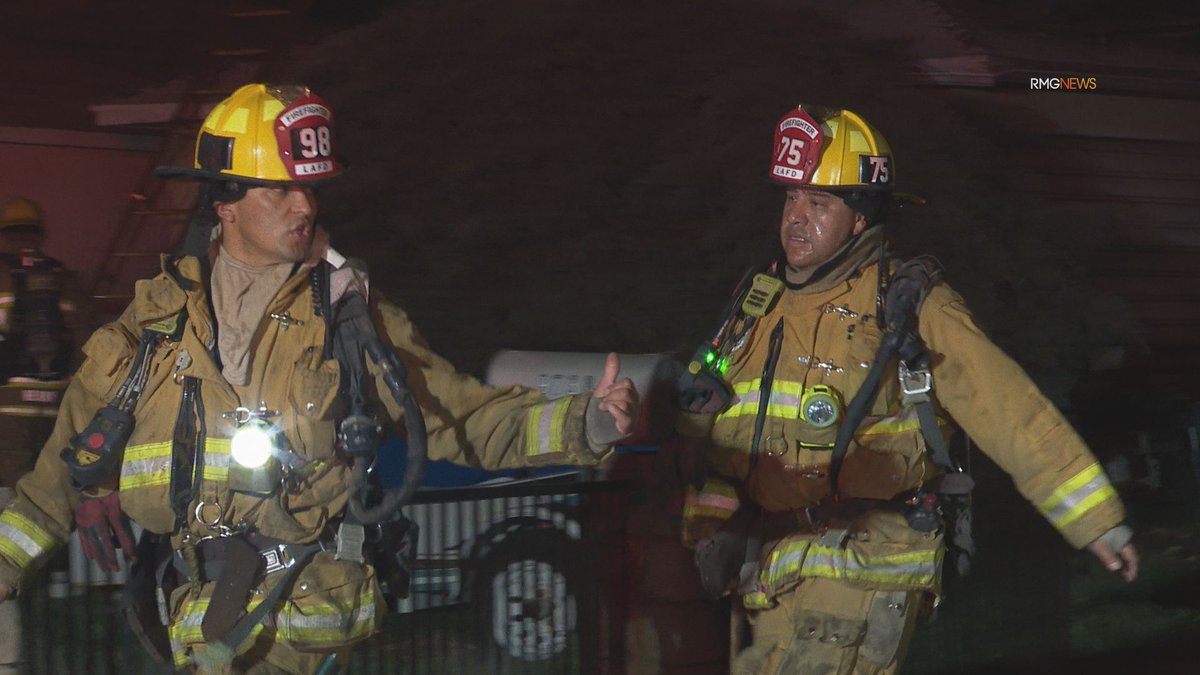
x=276 y=558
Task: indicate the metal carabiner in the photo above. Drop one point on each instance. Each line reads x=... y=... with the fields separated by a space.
x=198 y=513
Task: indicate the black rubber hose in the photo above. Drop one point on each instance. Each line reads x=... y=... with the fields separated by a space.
x=395 y=376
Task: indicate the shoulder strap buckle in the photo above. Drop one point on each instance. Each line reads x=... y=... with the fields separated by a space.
x=915 y=384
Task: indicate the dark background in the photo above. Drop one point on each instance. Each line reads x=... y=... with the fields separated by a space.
x=588 y=176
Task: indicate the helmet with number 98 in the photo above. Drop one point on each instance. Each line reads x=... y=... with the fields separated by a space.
x=265 y=135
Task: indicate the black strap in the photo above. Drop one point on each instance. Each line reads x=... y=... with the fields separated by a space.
x=906 y=292
x=775 y=345
x=934 y=440
x=300 y=553
x=857 y=410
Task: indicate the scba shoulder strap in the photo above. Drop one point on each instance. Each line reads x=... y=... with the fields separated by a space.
x=907 y=288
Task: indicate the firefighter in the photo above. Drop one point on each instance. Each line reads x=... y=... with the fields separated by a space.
x=36 y=350
x=230 y=454
x=829 y=503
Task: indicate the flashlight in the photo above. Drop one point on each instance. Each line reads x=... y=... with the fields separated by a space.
x=253 y=444
x=820 y=406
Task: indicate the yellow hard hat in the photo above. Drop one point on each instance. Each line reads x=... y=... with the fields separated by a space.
x=265 y=135
x=20 y=211
x=830 y=149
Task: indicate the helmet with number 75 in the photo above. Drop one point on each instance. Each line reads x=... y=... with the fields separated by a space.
x=830 y=149
x=265 y=135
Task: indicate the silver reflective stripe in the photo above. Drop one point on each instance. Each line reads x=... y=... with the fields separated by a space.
x=294 y=620
x=22 y=541
x=1074 y=497
x=544 y=428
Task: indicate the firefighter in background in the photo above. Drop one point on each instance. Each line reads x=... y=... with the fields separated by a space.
x=36 y=350
x=841 y=546
x=237 y=404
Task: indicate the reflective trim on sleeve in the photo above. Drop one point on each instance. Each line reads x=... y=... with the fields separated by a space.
x=544 y=427
x=784 y=402
x=22 y=541
x=717 y=499
x=1076 y=496
x=7 y=300
x=804 y=557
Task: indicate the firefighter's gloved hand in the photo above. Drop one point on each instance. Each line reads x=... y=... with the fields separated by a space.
x=1116 y=552
x=100 y=520
x=612 y=412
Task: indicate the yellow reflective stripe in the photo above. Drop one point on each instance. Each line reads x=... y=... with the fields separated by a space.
x=30 y=383
x=30 y=411
x=8 y=299
x=328 y=624
x=805 y=558
x=186 y=631
x=21 y=540
x=901 y=423
x=149 y=464
x=146 y=465
x=1076 y=496
x=217 y=456
x=717 y=499
x=784 y=402
x=544 y=427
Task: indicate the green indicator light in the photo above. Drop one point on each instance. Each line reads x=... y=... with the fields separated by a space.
x=710 y=357
x=723 y=365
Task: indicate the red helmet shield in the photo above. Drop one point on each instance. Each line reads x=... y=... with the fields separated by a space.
x=798 y=141
x=304 y=132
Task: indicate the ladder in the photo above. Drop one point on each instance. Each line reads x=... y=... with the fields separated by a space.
x=155 y=218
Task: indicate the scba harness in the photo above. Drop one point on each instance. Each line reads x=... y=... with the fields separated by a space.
x=731 y=553
x=371 y=529
x=37 y=344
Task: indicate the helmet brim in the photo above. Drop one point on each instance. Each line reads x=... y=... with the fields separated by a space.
x=903 y=196
x=189 y=173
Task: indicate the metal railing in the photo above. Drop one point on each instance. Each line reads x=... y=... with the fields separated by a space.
x=509 y=578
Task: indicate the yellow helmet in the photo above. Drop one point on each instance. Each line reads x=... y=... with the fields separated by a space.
x=830 y=149
x=265 y=135
x=20 y=211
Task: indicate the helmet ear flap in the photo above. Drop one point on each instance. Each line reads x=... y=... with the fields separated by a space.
x=874 y=205
x=225 y=191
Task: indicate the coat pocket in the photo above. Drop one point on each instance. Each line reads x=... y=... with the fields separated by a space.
x=313 y=395
x=109 y=352
x=333 y=603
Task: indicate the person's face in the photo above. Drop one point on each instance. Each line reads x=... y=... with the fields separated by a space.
x=270 y=225
x=814 y=226
x=20 y=238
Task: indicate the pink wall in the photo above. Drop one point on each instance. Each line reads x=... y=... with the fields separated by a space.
x=82 y=180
